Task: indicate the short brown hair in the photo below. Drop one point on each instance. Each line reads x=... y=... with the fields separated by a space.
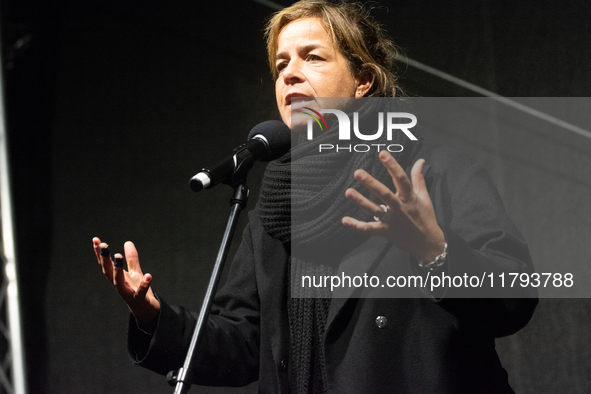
x=355 y=34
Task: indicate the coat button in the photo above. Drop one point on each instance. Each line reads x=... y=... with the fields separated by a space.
x=381 y=321
x=283 y=365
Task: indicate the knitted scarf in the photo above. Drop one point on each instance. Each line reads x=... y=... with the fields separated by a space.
x=302 y=202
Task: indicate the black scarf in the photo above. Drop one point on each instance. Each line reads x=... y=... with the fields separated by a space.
x=308 y=187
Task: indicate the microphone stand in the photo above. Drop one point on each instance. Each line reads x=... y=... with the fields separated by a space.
x=182 y=377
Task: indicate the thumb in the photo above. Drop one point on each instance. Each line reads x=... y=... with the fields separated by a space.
x=144 y=286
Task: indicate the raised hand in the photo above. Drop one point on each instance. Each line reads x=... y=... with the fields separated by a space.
x=409 y=221
x=133 y=286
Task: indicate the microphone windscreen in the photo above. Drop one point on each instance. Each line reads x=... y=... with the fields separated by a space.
x=278 y=136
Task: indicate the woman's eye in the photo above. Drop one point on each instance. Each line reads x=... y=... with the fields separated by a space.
x=279 y=67
x=314 y=58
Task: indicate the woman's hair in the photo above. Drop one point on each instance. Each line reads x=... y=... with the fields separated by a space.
x=354 y=33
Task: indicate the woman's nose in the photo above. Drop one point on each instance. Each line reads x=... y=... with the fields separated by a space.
x=292 y=73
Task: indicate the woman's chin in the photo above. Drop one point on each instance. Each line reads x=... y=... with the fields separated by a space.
x=298 y=122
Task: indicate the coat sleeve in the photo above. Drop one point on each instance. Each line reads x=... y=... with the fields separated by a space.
x=483 y=242
x=228 y=354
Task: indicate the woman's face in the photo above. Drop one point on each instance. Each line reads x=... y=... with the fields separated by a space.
x=309 y=65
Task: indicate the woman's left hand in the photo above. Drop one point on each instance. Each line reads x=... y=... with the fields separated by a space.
x=410 y=221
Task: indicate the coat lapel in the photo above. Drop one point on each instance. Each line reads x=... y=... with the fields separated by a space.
x=360 y=261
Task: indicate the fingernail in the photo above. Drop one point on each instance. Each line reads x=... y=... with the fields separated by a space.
x=118 y=262
x=105 y=252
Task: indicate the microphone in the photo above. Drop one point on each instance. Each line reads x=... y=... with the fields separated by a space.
x=266 y=141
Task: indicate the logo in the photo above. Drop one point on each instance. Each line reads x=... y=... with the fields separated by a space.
x=317 y=121
x=345 y=130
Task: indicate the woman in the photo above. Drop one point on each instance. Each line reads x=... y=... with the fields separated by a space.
x=260 y=330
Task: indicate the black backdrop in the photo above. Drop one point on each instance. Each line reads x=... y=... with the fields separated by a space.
x=112 y=106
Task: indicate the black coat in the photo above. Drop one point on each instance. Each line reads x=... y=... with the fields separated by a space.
x=443 y=345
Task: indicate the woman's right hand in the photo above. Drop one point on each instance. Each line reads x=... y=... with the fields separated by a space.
x=133 y=286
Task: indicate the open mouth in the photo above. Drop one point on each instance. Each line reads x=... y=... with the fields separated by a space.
x=302 y=98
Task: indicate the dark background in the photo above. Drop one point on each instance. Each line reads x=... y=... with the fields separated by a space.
x=112 y=106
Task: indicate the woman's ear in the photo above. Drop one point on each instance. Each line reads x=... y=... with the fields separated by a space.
x=364 y=82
